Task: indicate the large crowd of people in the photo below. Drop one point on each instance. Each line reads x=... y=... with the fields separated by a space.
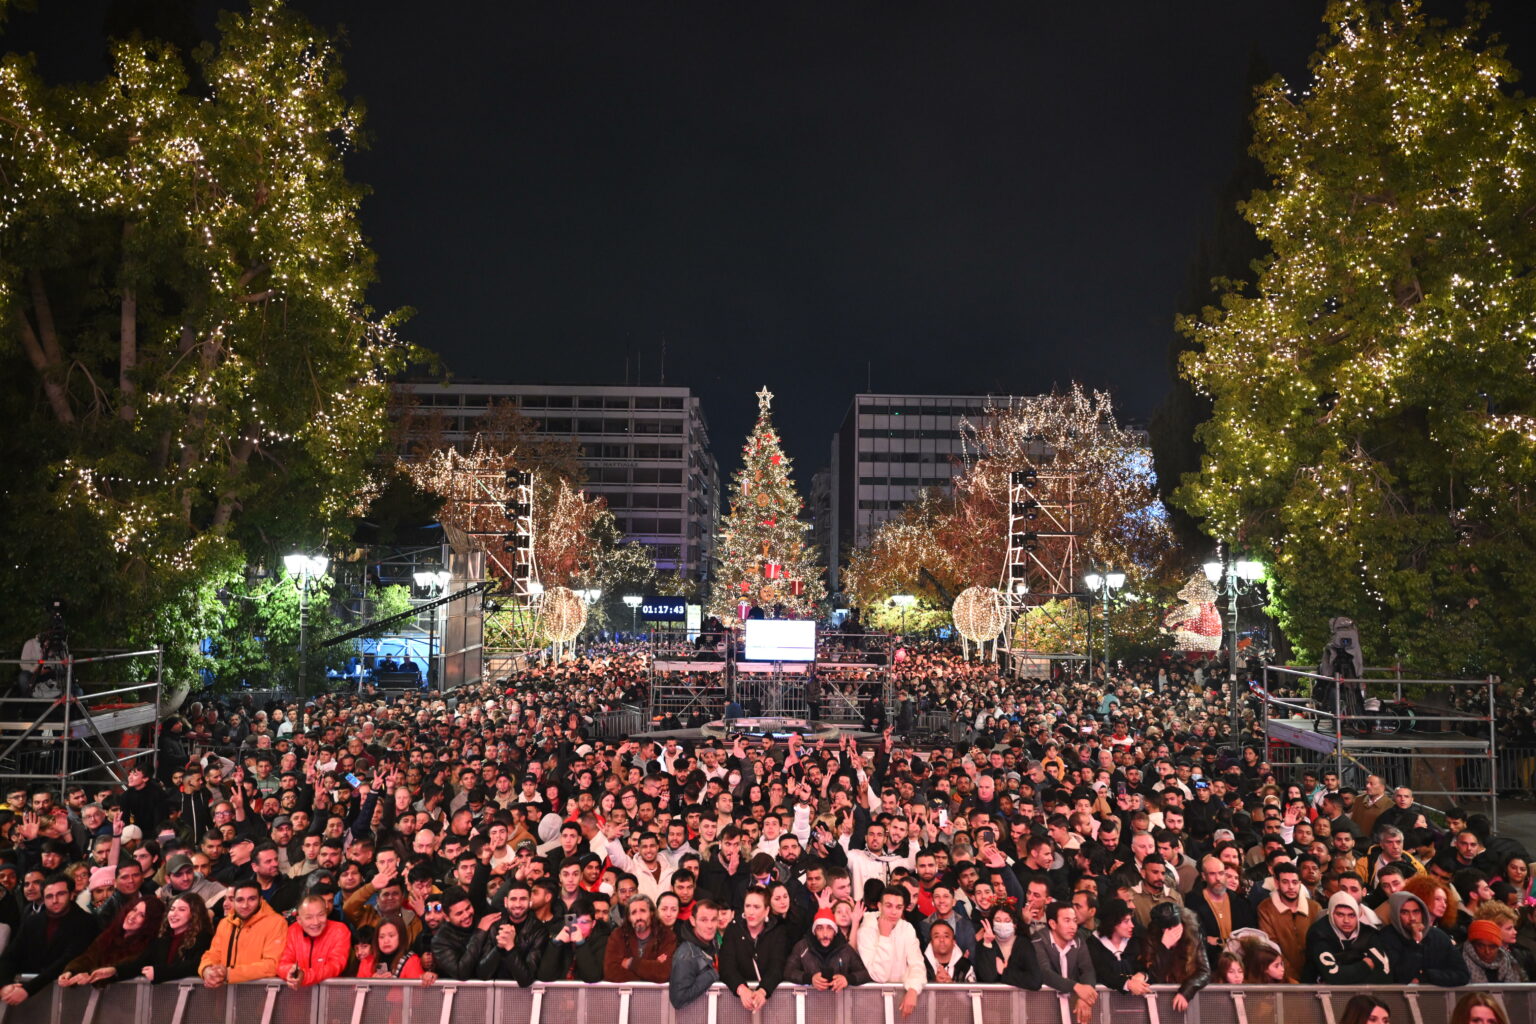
x=1085 y=833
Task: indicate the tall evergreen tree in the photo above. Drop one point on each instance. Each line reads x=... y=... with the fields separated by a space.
x=764 y=559
x=1374 y=401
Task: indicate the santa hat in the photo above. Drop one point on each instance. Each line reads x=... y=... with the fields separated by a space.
x=823 y=916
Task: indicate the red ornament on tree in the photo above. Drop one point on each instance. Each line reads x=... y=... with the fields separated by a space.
x=745 y=586
x=797 y=587
x=772 y=570
x=743 y=609
x=776 y=459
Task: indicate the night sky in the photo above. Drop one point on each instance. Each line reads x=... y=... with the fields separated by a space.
x=820 y=197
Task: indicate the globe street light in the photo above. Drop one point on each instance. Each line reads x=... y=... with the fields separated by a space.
x=303 y=568
x=1236 y=575
x=590 y=597
x=634 y=601
x=903 y=601
x=1105 y=585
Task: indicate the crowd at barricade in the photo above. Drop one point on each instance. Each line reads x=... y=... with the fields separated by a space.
x=1090 y=834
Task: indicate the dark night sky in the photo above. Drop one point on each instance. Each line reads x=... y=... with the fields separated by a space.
x=982 y=197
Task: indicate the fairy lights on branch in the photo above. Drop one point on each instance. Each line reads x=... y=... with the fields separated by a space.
x=245 y=394
x=1374 y=389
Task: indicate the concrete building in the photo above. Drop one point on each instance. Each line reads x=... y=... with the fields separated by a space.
x=889 y=448
x=644 y=448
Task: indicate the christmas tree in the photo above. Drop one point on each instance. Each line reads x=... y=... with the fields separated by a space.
x=764 y=560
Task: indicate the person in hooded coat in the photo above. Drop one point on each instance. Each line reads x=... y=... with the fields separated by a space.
x=824 y=958
x=1418 y=952
x=1343 y=950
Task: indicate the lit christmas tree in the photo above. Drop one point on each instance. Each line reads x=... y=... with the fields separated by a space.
x=764 y=559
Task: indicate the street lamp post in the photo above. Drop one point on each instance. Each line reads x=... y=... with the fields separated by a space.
x=590 y=596
x=1235 y=574
x=302 y=568
x=634 y=601
x=1105 y=585
x=903 y=601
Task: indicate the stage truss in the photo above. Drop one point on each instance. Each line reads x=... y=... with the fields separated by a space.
x=1041 y=562
x=508 y=496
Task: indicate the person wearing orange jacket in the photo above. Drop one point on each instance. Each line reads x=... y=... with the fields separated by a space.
x=247 y=943
x=317 y=948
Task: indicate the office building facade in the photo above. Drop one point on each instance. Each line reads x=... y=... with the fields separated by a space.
x=888 y=450
x=644 y=448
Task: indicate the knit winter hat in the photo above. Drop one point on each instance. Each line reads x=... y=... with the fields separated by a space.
x=1485 y=931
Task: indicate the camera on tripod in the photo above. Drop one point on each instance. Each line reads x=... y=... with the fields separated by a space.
x=42 y=670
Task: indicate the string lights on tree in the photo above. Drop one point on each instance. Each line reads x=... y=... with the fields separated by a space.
x=1374 y=387
x=228 y=396
x=954 y=541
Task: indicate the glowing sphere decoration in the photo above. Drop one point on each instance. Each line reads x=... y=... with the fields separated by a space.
x=980 y=614
x=562 y=614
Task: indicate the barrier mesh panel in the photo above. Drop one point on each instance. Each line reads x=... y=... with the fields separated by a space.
x=945 y=1007
x=696 y=1012
x=333 y=1004
x=820 y=1007
x=288 y=1008
x=865 y=1005
x=119 y=1004
x=647 y=1005
x=1261 y=1006
x=1304 y=1007
x=37 y=1009
x=204 y=1005
x=602 y=1005
x=472 y=1002
x=72 y=1002
x=775 y=1011
x=385 y=1005
x=515 y=1006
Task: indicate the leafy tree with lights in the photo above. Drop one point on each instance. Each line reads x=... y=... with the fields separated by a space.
x=941 y=544
x=192 y=380
x=1373 y=433
x=763 y=557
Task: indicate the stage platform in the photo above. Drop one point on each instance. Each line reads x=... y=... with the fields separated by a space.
x=106 y=721
x=1301 y=732
x=715 y=730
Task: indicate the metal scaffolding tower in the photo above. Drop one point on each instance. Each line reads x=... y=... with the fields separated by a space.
x=1041 y=562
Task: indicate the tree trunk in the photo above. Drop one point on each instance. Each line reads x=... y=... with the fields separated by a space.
x=128 y=356
x=43 y=349
x=58 y=400
x=237 y=460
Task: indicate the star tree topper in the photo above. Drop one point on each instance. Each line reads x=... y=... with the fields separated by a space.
x=764 y=399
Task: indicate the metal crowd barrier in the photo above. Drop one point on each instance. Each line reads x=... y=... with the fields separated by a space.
x=624 y=721
x=356 y=1001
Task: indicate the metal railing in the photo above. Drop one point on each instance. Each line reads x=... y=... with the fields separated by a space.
x=1336 y=733
x=624 y=721
x=1515 y=770
x=358 y=1001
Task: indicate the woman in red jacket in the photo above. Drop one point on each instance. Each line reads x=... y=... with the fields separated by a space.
x=391 y=959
